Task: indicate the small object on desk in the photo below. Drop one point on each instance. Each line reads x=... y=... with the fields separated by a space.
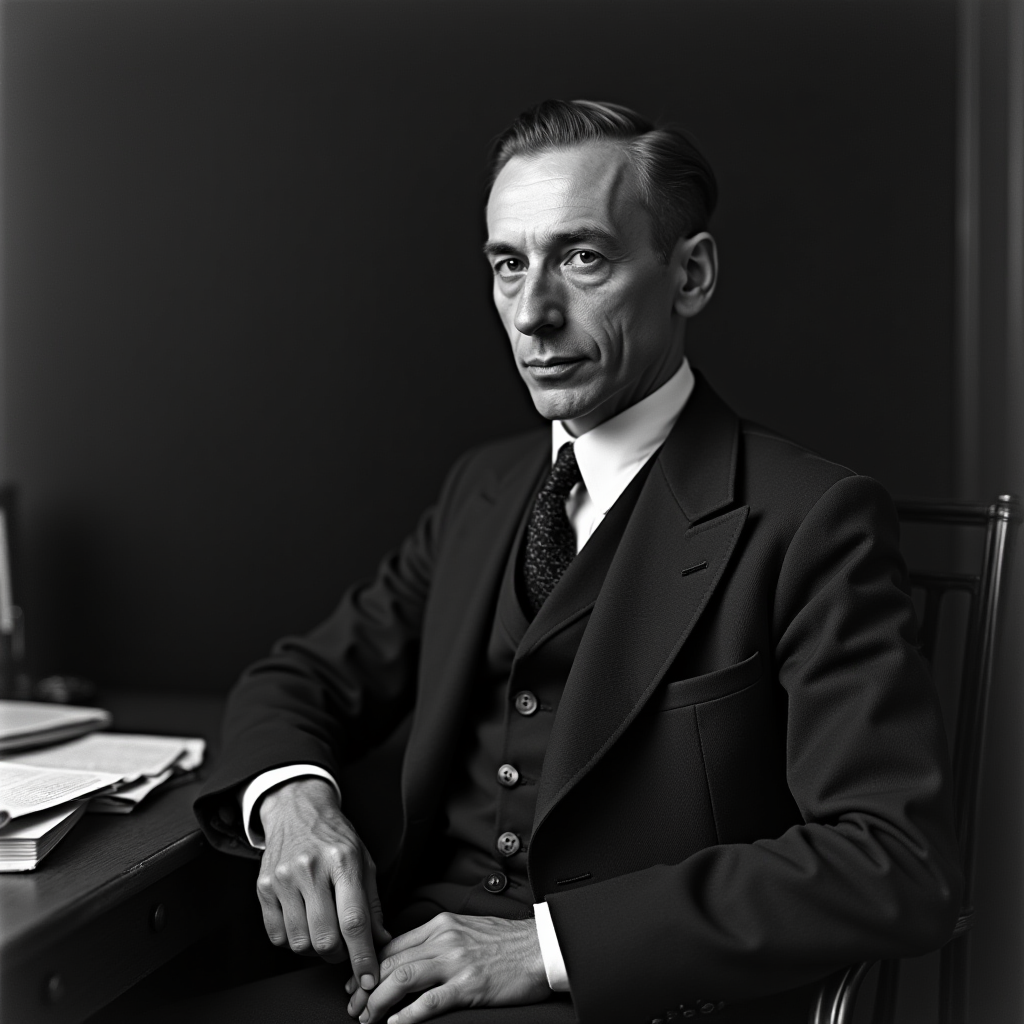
x=64 y=690
x=25 y=789
x=7 y=665
x=25 y=841
x=26 y=723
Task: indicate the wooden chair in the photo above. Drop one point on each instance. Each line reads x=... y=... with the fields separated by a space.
x=836 y=998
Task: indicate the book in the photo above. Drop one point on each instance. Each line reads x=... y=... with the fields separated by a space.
x=27 y=723
x=25 y=841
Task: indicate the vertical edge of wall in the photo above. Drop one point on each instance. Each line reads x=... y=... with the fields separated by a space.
x=1014 y=653
x=988 y=398
x=989 y=410
x=3 y=318
x=1015 y=248
x=967 y=375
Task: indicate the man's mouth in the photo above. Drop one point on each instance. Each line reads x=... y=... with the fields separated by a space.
x=551 y=369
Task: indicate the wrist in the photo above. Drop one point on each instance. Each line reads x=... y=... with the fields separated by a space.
x=310 y=791
x=532 y=952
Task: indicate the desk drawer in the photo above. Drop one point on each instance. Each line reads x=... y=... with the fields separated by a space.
x=86 y=969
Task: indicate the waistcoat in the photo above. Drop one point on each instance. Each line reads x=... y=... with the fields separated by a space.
x=480 y=864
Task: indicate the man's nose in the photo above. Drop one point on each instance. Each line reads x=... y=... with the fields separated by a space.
x=540 y=307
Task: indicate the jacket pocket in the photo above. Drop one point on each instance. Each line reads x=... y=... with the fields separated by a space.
x=697 y=689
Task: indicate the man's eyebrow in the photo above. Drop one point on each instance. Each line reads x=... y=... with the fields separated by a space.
x=598 y=237
x=500 y=249
x=583 y=236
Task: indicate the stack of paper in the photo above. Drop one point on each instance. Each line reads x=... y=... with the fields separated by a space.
x=44 y=790
x=25 y=841
x=140 y=763
x=38 y=806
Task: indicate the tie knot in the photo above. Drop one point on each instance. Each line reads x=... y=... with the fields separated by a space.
x=565 y=473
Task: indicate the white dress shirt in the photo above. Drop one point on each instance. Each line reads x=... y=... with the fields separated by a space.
x=609 y=456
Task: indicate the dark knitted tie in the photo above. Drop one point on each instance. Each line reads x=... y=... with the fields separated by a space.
x=550 y=538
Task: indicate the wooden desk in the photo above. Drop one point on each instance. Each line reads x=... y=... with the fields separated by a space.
x=119 y=896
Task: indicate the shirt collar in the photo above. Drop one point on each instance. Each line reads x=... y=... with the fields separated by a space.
x=611 y=454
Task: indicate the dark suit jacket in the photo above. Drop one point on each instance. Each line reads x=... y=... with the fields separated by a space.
x=747 y=765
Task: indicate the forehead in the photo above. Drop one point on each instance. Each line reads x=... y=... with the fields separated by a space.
x=564 y=189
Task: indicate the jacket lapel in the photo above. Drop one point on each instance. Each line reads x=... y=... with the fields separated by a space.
x=666 y=568
x=460 y=616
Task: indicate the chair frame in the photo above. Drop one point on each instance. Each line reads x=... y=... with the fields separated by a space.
x=837 y=996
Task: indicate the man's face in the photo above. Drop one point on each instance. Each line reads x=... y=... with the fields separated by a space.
x=588 y=304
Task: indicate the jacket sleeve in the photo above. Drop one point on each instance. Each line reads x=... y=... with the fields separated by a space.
x=873 y=870
x=327 y=697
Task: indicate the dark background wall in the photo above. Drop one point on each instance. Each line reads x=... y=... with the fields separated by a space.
x=248 y=327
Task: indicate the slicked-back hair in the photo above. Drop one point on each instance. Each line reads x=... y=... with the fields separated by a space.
x=676 y=183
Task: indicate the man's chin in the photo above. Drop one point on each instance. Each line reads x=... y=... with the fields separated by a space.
x=561 y=404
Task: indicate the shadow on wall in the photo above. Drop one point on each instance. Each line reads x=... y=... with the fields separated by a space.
x=248 y=326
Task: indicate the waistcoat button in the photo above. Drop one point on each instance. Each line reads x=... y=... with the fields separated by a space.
x=496 y=882
x=508 y=843
x=507 y=775
x=526 y=703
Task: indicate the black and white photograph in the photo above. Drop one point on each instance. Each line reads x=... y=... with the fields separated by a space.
x=509 y=512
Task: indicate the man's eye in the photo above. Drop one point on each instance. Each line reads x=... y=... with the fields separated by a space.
x=584 y=258
x=509 y=266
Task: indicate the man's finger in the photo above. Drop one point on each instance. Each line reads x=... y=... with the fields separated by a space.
x=357 y=1003
x=356 y=928
x=433 y=1002
x=389 y=964
x=322 y=922
x=273 y=918
x=293 y=908
x=380 y=934
x=405 y=979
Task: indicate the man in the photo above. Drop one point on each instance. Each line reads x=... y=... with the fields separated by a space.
x=673 y=749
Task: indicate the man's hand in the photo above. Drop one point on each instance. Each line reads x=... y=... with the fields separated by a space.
x=455 y=961
x=318 y=883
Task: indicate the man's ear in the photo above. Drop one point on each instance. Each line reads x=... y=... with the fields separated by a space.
x=695 y=260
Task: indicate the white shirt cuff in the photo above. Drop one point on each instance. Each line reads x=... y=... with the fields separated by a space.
x=251 y=794
x=554 y=965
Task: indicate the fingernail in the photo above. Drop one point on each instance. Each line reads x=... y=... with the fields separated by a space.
x=364 y=1016
x=367 y=982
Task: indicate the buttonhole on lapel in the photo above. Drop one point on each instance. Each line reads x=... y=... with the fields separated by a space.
x=575 y=878
x=695 y=568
